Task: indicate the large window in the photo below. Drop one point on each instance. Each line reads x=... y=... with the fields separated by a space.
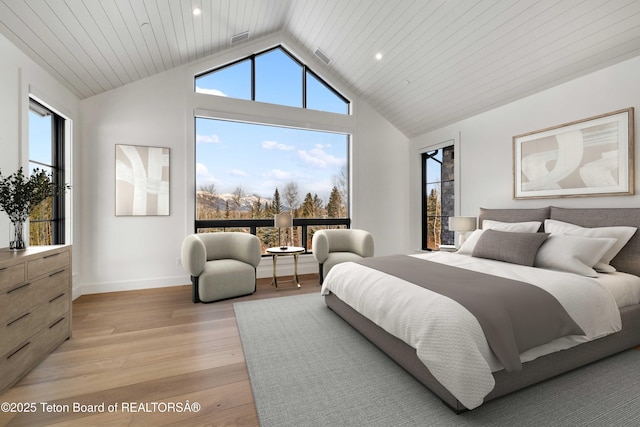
x=246 y=173
x=438 y=201
x=274 y=76
x=46 y=152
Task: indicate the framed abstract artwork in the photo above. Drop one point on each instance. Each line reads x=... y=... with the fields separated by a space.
x=589 y=157
x=142 y=180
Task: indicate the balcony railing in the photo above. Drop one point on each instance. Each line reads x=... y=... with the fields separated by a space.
x=299 y=235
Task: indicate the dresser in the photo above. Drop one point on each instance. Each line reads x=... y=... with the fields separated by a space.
x=35 y=307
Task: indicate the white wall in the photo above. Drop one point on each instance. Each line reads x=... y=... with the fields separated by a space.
x=484 y=142
x=121 y=253
x=20 y=77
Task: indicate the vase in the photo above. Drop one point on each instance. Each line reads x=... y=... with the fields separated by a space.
x=17 y=242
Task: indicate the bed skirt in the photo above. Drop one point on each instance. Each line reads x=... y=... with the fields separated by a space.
x=533 y=372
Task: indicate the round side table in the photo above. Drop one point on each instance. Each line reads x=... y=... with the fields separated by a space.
x=277 y=251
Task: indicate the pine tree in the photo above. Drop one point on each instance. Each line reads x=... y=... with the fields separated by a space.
x=276 y=206
x=318 y=206
x=335 y=203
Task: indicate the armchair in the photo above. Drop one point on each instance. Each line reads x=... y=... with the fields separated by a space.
x=331 y=247
x=221 y=265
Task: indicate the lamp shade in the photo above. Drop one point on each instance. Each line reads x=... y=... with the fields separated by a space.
x=283 y=220
x=462 y=224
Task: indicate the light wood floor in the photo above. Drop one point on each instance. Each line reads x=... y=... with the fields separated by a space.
x=152 y=347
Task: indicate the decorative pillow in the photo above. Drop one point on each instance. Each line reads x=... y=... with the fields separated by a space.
x=513 y=247
x=470 y=242
x=487 y=224
x=573 y=254
x=621 y=234
x=519 y=227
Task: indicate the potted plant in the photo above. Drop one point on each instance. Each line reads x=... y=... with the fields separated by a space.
x=19 y=194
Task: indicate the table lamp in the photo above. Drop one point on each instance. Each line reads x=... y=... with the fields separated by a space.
x=462 y=225
x=282 y=220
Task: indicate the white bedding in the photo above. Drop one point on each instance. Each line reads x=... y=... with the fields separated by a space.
x=447 y=338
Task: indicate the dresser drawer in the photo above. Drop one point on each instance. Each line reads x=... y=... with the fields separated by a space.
x=16 y=330
x=48 y=264
x=21 y=298
x=11 y=276
x=27 y=354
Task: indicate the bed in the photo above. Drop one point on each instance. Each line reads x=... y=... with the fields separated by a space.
x=542 y=364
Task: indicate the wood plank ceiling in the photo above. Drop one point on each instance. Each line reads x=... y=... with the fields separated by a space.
x=442 y=60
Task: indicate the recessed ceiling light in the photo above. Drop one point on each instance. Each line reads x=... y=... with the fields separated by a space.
x=378 y=56
x=197 y=11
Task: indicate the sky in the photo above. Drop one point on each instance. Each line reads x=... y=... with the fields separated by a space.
x=39 y=141
x=260 y=158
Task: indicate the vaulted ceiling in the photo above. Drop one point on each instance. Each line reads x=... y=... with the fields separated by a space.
x=442 y=60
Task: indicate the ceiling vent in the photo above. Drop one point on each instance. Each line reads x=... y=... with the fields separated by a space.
x=240 y=37
x=323 y=56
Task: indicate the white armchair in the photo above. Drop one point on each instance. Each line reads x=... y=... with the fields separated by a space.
x=221 y=265
x=331 y=247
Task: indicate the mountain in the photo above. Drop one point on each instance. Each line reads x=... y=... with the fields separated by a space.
x=208 y=199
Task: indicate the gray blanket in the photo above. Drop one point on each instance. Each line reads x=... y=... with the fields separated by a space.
x=514 y=316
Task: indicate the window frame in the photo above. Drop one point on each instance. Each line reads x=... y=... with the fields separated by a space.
x=58 y=167
x=307 y=225
x=424 y=155
x=304 y=70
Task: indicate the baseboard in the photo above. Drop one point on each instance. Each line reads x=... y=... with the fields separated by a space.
x=285 y=267
x=131 y=285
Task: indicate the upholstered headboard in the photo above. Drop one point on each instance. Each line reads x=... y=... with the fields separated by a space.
x=513 y=215
x=627 y=260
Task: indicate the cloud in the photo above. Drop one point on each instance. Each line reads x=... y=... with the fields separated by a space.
x=207 y=139
x=278 y=174
x=201 y=169
x=273 y=145
x=317 y=157
x=210 y=91
x=237 y=172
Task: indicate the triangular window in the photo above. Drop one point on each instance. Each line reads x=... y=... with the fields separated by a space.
x=274 y=76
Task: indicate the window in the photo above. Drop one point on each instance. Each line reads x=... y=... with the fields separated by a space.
x=246 y=173
x=276 y=77
x=438 y=200
x=46 y=152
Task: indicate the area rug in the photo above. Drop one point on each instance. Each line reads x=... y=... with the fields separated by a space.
x=309 y=368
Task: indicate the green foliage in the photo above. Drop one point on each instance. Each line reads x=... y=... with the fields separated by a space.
x=19 y=193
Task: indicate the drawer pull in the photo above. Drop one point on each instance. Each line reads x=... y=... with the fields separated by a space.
x=55 y=298
x=56 y=322
x=18 y=288
x=19 y=318
x=50 y=256
x=56 y=273
x=3 y=268
x=15 y=352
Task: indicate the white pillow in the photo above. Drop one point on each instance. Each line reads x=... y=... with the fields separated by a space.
x=470 y=243
x=517 y=227
x=573 y=254
x=621 y=234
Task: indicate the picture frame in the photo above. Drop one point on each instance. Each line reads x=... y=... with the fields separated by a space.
x=142 y=176
x=588 y=157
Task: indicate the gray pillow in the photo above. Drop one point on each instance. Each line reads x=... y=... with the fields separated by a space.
x=515 y=248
